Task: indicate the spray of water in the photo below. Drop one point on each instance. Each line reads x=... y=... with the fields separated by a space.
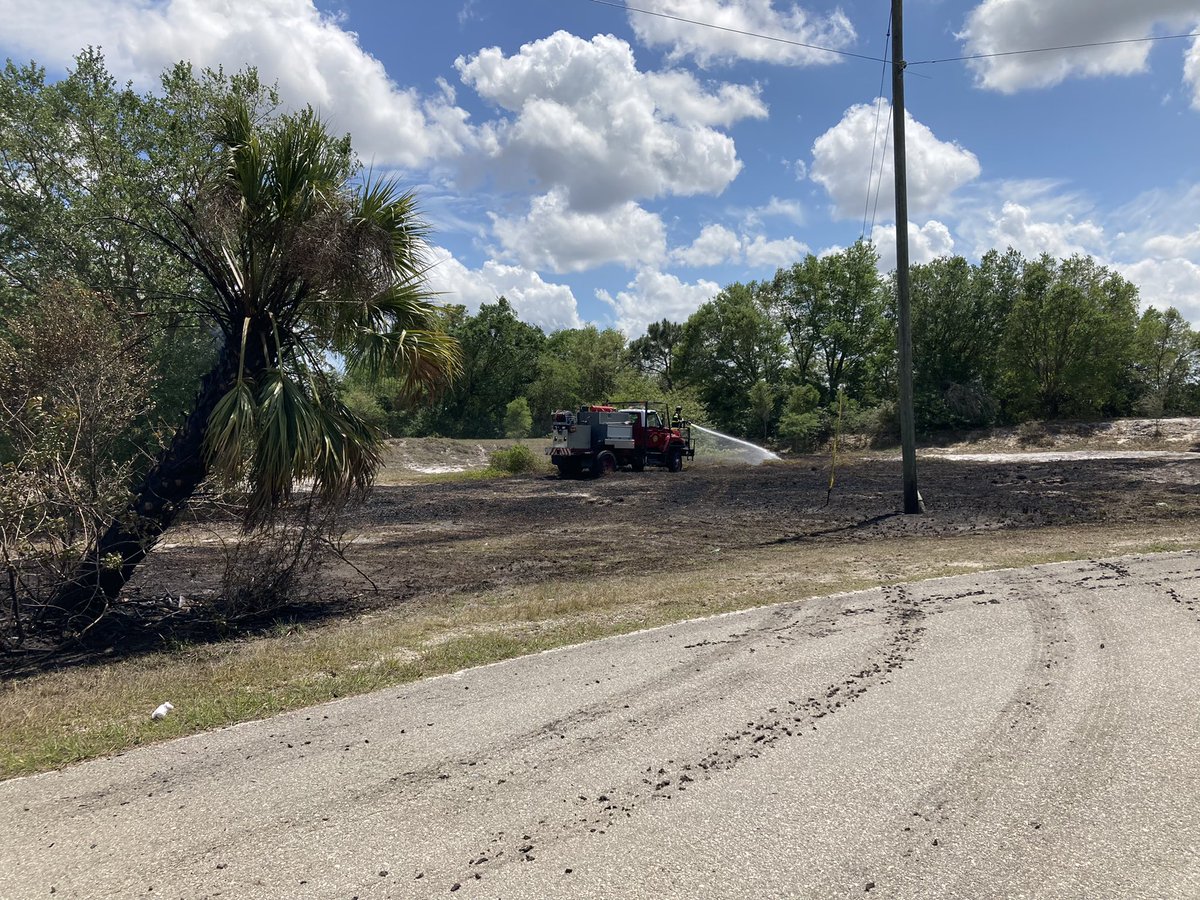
x=751 y=453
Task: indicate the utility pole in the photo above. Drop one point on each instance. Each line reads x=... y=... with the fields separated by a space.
x=908 y=434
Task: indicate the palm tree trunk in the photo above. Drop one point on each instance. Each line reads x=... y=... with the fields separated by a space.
x=177 y=472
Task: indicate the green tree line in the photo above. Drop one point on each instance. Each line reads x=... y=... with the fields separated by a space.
x=1001 y=341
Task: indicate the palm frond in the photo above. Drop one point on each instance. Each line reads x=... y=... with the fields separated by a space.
x=392 y=216
x=347 y=454
x=422 y=360
x=284 y=440
x=231 y=429
x=308 y=264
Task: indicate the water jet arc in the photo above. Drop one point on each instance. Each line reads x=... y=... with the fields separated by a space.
x=760 y=454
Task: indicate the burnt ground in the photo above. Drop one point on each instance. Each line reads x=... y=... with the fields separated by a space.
x=427 y=540
x=423 y=539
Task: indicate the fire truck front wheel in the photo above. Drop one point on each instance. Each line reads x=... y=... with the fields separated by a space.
x=605 y=463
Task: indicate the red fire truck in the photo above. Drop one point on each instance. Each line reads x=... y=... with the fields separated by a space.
x=598 y=439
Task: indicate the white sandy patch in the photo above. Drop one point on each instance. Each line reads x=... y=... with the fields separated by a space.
x=1061 y=455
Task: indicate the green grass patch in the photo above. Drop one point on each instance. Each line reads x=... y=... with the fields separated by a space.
x=52 y=720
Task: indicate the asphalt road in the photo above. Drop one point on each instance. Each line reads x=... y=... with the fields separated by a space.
x=1021 y=734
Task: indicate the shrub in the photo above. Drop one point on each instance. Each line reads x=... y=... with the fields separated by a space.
x=515 y=460
x=73 y=388
x=517 y=419
x=275 y=565
x=804 y=431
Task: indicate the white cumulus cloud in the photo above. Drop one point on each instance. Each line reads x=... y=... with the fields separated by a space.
x=1169 y=272
x=775 y=207
x=1167 y=282
x=999 y=26
x=925 y=243
x=556 y=237
x=549 y=306
x=723 y=45
x=717 y=245
x=291 y=42
x=652 y=296
x=1191 y=72
x=1170 y=246
x=842 y=160
x=586 y=120
x=1018 y=226
x=782 y=252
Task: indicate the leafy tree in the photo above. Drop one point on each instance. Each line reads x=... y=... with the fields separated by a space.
x=517 y=419
x=1068 y=338
x=803 y=422
x=654 y=352
x=762 y=399
x=959 y=313
x=297 y=262
x=500 y=360
x=599 y=355
x=833 y=311
x=1167 y=354
x=729 y=344
x=578 y=365
x=558 y=386
x=86 y=164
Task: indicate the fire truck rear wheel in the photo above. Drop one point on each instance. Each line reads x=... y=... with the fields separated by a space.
x=674 y=461
x=605 y=464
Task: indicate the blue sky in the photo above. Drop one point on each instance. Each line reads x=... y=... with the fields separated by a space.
x=597 y=164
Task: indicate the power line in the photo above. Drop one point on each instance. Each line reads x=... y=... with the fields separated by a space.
x=887 y=135
x=875 y=132
x=754 y=34
x=923 y=62
x=1142 y=40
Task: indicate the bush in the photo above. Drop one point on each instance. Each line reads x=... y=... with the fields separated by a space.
x=72 y=392
x=275 y=565
x=366 y=406
x=515 y=460
x=517 y=419
x=804 y=431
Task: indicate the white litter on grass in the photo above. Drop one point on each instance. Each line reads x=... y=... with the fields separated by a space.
x=161 y=712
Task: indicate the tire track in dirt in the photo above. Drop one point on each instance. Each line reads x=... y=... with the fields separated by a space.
x=903 y=616
x=1053 y=741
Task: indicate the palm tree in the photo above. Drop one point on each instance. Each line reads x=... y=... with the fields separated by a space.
x=301 y=265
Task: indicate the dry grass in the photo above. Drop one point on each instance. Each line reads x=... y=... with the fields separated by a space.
x=56 y=719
